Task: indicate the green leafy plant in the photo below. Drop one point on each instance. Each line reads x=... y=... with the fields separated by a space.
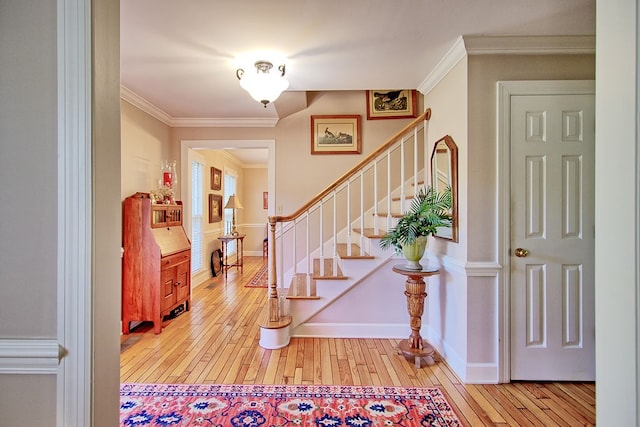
x=429 y=210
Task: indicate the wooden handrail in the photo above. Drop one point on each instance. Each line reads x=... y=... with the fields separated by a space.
x=351 y=172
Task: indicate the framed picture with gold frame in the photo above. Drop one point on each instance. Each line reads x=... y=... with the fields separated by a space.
x=216 y=179
x=391 y=104
x=215 y=208
x=335 y=134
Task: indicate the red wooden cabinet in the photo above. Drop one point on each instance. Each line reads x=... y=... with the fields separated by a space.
x=156 y=264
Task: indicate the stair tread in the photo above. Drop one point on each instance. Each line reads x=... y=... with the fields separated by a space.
x=356 y=252
x=393 y=214
x=406 y=197
x=298 y=288
x=370 y=232
x=328 y=270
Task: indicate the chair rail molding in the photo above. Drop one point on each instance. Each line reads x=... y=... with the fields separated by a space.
x=29 y=356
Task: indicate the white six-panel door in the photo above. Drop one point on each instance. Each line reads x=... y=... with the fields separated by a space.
x=552 y=237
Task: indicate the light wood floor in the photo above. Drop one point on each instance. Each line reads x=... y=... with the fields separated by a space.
x=217 y=342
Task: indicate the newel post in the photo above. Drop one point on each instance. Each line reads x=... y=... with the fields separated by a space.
x=273 y=303
x=274 y=327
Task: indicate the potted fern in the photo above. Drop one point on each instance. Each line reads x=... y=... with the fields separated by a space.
x=429 y=211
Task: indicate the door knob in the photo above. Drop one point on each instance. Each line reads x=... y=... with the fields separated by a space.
x=521 y=253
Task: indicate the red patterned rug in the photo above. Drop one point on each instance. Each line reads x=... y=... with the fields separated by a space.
x=260 y=279
x=278 y=405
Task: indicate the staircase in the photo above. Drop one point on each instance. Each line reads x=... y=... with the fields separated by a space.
x=331 y=244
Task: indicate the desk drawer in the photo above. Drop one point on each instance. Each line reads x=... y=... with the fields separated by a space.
x=175 y=259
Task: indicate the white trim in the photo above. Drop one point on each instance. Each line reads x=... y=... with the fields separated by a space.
x=530 y=45
x=446 y=64
x=249 y=122
x=469 y=373
x=351 y=330
x=138 y=101
x=74 y=251
x=469 y=269
x=482 y=269
x=482 y=373
x=506 y=45
x=505 y=90
x=29 y=356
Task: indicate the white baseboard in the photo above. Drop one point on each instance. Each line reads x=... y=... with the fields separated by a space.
x=482 y=373
x=469 y=373
x=351 y=330
x=29 y=356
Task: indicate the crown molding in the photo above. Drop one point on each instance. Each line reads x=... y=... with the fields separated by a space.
x=506 y=45
x=446 y=64
x=252 y=122
x=139 y=102
x=175 y=122
x=530 y=45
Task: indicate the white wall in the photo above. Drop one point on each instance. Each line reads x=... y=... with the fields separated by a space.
x=617 y=213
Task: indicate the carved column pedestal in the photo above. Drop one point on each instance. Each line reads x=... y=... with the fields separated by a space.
x=415 y=291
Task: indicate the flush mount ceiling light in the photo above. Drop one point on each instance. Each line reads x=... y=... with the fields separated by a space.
x=263 y=86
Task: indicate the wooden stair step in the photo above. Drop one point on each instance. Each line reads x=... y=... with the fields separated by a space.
x=393 y=214
x=406 y=197
x=370 y=232
x=356 y=252
x=329 y=274
x=302 y=287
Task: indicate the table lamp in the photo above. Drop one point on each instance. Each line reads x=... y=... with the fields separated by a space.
x=233 y=203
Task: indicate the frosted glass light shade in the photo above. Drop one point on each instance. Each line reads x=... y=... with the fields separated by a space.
x=263 y=86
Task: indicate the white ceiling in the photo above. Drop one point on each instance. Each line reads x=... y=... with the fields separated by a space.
x=182 y=56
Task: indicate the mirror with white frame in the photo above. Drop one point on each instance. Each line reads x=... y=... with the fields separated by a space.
x=444 y=173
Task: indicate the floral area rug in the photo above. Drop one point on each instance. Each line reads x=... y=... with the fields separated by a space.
x=280 y=405
x=260 y=279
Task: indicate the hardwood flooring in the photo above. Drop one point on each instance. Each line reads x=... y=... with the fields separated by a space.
x=217 y=342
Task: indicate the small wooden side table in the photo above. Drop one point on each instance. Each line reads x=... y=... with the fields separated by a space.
x=239 y=254
x=415 y=291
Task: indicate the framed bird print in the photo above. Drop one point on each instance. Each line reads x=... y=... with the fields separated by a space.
x=335 y=134
x=391 y=104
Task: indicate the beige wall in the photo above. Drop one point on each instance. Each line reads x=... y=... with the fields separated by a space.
x=482 y=231
x=484 y=73
x=299 y=175
x=107 y=213
x=462 y=308
x=29 y=90
x=145 y=143
x=254 y=216
x=28 y=198
x=448 y=103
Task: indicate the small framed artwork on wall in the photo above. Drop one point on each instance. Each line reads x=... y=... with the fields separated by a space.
x=335 y=134
x=215 y=208
x=216 y=179
x=391 y=104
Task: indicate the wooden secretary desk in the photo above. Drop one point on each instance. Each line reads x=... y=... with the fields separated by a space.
x=156 y=265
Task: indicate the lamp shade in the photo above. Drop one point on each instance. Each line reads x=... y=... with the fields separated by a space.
x=233 y=203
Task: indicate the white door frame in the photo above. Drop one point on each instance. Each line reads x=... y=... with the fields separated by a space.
x=505 y=90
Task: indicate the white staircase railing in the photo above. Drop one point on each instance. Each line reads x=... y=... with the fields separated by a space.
x=360 y=202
